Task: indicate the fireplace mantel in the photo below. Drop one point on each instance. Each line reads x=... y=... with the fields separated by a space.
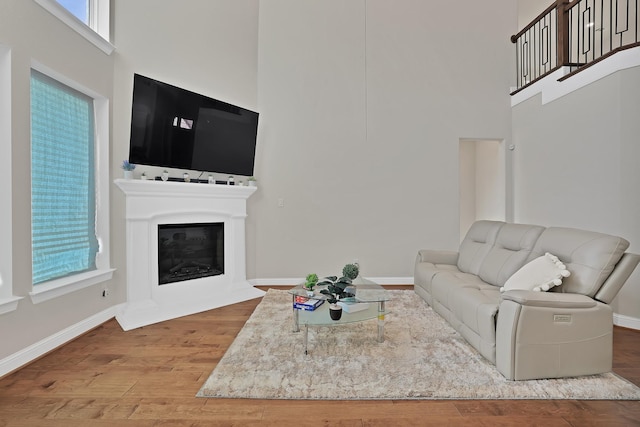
x=153 y=203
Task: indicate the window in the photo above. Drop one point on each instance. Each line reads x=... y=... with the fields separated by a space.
x=8 y=301
x=62 y=180
x=79 y=9
x=69 y=186
x=89 y=18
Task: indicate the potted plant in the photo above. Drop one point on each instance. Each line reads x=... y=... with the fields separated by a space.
x=351 y=271
x=128 y=169
x=310 y=283
x=336 y=289
x=252 y=181
x=143 y=176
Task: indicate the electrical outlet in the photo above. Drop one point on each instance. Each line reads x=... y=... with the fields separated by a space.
x=105 y=292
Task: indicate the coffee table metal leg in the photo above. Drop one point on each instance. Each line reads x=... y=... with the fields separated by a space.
x=296 y=325
x=381 y=321
x=306 y=338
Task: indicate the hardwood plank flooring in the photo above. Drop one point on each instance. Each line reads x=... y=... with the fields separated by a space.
x=149 y=377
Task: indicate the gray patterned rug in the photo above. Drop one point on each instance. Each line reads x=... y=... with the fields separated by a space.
x=421 y=358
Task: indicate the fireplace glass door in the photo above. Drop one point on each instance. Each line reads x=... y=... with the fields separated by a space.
x=190 y=251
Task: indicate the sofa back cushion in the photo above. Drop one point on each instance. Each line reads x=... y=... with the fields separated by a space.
x=477 y=244
x=509 y=253
x=589 y=256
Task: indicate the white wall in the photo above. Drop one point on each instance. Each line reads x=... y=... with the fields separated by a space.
x=575 y=164
x=529 y=9
x=628 y=301
x=61 y=49
x=363 y=104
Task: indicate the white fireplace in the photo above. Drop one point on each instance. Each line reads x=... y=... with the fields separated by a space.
x=150 y=204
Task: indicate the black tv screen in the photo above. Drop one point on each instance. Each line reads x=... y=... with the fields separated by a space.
x=176 y=128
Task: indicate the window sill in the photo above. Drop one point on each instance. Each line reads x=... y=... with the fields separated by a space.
x=7 y=305
x=57 y=10
x=59 y=287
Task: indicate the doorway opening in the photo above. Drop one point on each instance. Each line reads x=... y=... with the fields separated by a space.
x=484 y=177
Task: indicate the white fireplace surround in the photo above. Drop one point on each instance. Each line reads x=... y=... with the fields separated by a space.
x=152 y=203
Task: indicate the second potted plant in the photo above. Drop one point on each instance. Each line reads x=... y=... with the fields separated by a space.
x=310 y=283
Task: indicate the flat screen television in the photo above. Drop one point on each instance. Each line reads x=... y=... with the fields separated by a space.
x=176 y=128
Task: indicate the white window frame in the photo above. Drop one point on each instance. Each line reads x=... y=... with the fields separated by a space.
x=8 y=301
x=103 y=272
x=97 y=32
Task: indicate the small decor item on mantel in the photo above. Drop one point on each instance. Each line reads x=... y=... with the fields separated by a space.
x=185 y=177
x=310 y=283
x=165 y=175
x=143 y=176
x=252 y=182
x=336 y=290
x=128 y=169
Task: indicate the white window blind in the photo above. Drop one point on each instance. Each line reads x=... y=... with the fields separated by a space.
x=62 y=180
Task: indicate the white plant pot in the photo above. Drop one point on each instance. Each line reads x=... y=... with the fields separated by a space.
x=128 y=174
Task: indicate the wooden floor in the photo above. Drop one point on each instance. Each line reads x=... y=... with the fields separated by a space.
x=149 y=377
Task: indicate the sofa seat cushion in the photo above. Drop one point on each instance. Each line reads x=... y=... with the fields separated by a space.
x=470 y=306
x=426 y=271
x=476 y=307
x=445 y=285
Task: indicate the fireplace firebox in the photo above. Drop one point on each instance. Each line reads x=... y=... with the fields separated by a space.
x=190 y=251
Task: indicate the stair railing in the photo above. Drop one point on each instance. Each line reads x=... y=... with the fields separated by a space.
x=574 y=34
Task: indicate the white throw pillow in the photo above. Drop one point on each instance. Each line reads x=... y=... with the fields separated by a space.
x=541 y=274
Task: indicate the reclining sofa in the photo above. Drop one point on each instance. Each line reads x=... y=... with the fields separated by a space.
x=564 y=332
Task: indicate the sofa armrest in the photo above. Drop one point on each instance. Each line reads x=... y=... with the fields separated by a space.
x=548 y=299
x=618 y=277
x=437 y=257
x=552 y=335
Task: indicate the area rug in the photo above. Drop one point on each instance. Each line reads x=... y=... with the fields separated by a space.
x=422 y=357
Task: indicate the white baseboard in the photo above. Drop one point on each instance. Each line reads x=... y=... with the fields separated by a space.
x=42 y=347
x=297 y=280
x=626 y=321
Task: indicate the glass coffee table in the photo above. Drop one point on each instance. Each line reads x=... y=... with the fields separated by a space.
x=367 y=292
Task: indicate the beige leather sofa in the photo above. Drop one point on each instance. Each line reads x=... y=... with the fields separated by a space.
x=529 y=335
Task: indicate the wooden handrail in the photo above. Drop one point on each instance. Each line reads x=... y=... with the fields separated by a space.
x=515 y=37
